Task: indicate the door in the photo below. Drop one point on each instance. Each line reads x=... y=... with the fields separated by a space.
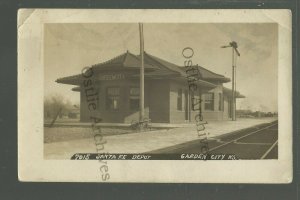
x=186 y=105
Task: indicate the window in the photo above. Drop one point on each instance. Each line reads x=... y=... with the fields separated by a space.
x=179 y=99
x=221 y=102
x=113 y=98
x=134 y=98
x=209 y=101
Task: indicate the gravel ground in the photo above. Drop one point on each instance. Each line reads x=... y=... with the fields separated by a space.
x=58 y=134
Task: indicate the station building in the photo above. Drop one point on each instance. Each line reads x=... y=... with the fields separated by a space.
x=167 y=96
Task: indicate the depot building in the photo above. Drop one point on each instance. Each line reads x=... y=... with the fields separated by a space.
x=115 y=88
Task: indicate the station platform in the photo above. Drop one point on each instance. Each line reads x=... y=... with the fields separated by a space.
x=140 y=142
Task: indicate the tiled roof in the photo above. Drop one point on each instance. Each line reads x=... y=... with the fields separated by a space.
x=205 y=73
x=154 y=67
x=209 y=75
x=72 y=80
x=126 y=60
x=164 y=65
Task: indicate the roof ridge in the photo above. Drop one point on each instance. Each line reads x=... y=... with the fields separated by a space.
x=136 y=57
x=162 y=59
x=151 y=57
x=126 y=54
x=105 y=62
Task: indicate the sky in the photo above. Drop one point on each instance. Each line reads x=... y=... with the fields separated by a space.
x=70 y=47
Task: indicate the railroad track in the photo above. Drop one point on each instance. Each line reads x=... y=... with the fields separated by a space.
x=260 y=142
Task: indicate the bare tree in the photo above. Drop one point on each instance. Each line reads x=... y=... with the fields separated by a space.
x=56 y=106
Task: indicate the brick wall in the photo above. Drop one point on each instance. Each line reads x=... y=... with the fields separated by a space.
x=124 y=113
x=160 y=103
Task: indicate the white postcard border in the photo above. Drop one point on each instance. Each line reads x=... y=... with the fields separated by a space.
x=32 y=166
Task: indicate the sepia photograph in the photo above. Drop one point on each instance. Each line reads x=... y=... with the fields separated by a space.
x=155 y=96
x=166 y=88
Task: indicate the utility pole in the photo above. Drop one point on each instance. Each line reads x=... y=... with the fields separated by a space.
x=233 y=89
x=141 y=73
x=234 y=47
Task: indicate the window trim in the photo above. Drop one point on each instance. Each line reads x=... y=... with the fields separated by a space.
x=107 y=96
x=134 y=95
x=212 y=101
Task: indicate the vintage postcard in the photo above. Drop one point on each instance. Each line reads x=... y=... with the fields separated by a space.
x=174 y=96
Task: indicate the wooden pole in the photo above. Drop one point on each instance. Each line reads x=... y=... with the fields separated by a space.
x=141 y=72
x=235 y=87
x=233 y=95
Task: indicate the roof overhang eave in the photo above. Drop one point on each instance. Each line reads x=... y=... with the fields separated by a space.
x=202 y=83
x=76 y=89
x=206 y=84
x=68 y=82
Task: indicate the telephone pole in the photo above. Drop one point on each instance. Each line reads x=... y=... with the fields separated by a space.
x=141 y=73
